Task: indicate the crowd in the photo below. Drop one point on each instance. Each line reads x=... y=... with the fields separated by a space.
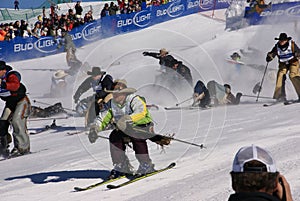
x=53 y=24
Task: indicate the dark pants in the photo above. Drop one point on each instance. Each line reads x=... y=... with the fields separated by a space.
x=118 y=142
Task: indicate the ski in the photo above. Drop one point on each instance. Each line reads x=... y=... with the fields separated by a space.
x=98 y=184
x=16 y=156
x=47 y=127
x=271 y=104
x=134 y=179
x=186 y=108
x=76 y=132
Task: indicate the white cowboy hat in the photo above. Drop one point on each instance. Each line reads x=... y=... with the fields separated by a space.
x=60 y=74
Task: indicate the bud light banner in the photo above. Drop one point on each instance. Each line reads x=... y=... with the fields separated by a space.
x=283 y=12
x=32 y=47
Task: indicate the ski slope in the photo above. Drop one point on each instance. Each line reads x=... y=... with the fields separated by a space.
x=62 y=162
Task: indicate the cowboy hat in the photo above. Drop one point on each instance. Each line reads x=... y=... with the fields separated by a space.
x=163 y=51
x=60 y=74
x=95 y=71
x=283 y=36
x=124 y=91
x=120 y=81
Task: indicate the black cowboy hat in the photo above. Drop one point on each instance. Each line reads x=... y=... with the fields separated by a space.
x=283 y=36
x=95 y=71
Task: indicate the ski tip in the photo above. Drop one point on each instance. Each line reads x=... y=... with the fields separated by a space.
x=78 y=189
x=110 y=186
x=172 y=165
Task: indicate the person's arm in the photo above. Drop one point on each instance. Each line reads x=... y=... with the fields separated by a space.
x=84 y=86
x=152 y=54
x=271 y=54
x=283 y=189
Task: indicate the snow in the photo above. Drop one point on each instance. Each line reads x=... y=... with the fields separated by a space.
x=62 y=162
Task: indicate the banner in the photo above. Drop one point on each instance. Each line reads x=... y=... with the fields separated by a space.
x=283 y=12
x=32 y=47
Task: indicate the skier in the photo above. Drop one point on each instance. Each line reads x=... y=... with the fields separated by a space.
x=16 y=111
x=98 y=81
x=70 y=49
x=46 y=112
x=183 y=71
x=221 y=94
x=133 y=122
x=288 y=53
x=201 y=95
x=58 y=84
x=166 y=60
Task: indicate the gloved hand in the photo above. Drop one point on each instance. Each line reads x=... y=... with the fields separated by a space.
x=161 y=140
x=145 y=53
x=124 y=122
x=93 y=135
x=269 y=57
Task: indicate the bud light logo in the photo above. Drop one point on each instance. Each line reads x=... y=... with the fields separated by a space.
x=206 y=4
x=293 y=11
x=175 y=9
x=45 y=45
x=91 y=32
x=142 y=19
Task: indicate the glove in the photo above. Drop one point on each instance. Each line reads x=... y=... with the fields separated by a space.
x=269 y=58
x=124 y=122
x=161 y=140
x=145 y=53
x=93 y=135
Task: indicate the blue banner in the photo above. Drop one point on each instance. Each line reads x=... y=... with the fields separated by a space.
x=29 y=48
x=283 y=12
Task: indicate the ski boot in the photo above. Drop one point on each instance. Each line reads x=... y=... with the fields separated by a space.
x=121 y=169
x=145 y=168
x=4 y=147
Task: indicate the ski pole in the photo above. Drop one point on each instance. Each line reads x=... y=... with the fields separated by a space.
x=35 y=101
x=255 y=96
x=190 y=143
x=262 y=80
x=177 y=104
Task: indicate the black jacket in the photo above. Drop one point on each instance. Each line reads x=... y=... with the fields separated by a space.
x=255 y=196
x=167 y=61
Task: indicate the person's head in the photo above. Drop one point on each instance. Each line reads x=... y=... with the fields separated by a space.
x=96 y=73
x=227 y=88
x=60 y=74
x=163 y=52
x=2 y=68
x=121 y=91
x=254 y=170
x=283 y=40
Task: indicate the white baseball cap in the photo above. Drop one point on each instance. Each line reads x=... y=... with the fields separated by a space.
x=253 y=153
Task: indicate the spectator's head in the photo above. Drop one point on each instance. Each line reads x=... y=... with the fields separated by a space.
x=254 y=170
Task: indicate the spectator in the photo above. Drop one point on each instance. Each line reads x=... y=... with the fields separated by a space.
x=255 y=177
x=37 y=30
x=78 y=10
x=105 y=11
x=2 y=34
x=16 y=3
x=113 y=9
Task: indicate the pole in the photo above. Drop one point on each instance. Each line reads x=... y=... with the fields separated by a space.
x=177 y=104
x=262 y=80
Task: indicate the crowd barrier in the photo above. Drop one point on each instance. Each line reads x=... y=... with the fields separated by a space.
x=29 y=48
